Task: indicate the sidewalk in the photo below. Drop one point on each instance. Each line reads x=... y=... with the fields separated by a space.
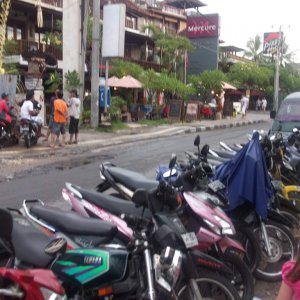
x=90 y=139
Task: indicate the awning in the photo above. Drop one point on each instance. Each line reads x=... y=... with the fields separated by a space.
x=127 y=82
x=227 y=86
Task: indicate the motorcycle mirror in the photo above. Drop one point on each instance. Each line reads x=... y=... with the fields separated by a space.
x=140 y=197
x=172 y=162
x=205 y=150
x=6 y=224
x=56 y=246
x=197 y=141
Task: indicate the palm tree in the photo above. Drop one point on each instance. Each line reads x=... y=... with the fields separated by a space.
x=4 y=10
x=254 y=51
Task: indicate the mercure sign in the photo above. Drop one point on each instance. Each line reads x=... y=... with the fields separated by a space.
x=203 y=26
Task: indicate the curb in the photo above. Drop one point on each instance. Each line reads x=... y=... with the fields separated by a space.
x=44 y=152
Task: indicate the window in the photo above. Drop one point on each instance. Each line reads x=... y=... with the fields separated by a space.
x=10 y=33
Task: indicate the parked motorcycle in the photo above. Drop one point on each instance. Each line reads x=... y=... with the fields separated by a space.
x=208 y=225
x=36 y=284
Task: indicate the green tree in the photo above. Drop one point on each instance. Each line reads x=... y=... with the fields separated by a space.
x=254 y=50
x=207 y=82
x=122 y=68
x=54 y=82
x=250 y=76
x=173 y=49
x=72 y=80
x=4 y=10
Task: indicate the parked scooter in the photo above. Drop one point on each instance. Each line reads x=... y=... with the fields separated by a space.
x=210 y=226
x=36 y=284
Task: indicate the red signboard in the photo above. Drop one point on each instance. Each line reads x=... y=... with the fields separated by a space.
x=271 y=42
x=202 y=26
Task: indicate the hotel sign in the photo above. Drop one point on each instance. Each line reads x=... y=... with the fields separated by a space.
x=203 y=26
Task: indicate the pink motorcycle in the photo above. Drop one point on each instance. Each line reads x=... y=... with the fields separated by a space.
x=208 y=225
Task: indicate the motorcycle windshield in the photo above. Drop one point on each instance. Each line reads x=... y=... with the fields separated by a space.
x=246 y=178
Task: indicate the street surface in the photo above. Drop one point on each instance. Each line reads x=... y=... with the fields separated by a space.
x=45 y=181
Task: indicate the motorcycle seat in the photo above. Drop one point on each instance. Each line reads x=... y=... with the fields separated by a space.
x=69 y=222
x=29 y=244
x=112 y=204
x=132 y=180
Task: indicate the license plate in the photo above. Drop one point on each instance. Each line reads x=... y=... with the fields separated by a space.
x=190 y=239
x=24 y=129
x=216 y=185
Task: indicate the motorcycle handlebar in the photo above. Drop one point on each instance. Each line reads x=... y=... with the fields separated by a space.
x=135 y=221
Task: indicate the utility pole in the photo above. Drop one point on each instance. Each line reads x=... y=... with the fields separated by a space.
x=276 y=77
x=95 y=65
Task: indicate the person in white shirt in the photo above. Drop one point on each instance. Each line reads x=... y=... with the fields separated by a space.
x=29 y=113
x=264 y=104
x=74 y=113
x=244 y=105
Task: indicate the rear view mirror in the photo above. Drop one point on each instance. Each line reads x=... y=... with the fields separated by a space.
x=57 y=246
x=205 y=150
x=173 y=161
x=272 y=114
x=197 y=141
x=140 y=197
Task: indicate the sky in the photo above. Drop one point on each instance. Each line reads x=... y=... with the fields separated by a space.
x=241 y=20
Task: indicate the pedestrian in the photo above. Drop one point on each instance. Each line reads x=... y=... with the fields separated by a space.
x=74 y=114
x=60 y=114
x=264 y=104
x=258 y=104
x=244 y=105
x=290 y=286
x=50 y=124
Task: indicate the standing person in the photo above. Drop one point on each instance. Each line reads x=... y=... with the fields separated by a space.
x=290 y=286
x=74 y=114
x=60 y=114
x=4 y=112
x=258 y=104
x=244 y=105
x=50 y=124
x=264 y=103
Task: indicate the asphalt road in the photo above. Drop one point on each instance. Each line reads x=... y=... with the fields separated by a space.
x=46 y=182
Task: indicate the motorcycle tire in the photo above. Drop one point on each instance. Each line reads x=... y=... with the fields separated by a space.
x=27 y=140
x=211 y=286
x=278 y=234
x=250 y=242
x=243 y=279
x=293 y=217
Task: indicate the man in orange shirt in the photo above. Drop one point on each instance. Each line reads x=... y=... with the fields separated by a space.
x=60 y=115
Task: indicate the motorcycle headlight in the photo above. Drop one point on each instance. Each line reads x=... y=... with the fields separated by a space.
x=167 y=267
x=50 y=295
x=213 y=227
x=226 y=227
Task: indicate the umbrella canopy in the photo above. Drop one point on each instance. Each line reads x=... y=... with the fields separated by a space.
x=128 y=82
x=112 y=80
x=39 y=16
x=227 y=86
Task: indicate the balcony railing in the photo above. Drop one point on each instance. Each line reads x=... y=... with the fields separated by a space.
x=129 y=24
x=172 y=10
x=57 y=3
x=26 y=46
x=145 y=64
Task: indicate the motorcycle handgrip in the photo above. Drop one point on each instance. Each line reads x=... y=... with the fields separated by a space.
x=132 y=220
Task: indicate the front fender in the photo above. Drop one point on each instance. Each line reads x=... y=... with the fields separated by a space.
x=206 y=261
x=226 y=243
x=277 y=217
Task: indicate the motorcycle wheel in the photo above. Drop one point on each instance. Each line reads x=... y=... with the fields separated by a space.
x=251 y=245
x=27 y=140
x=211 y=286
x=242 y=280
x=292 y=217
x=283 y=248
